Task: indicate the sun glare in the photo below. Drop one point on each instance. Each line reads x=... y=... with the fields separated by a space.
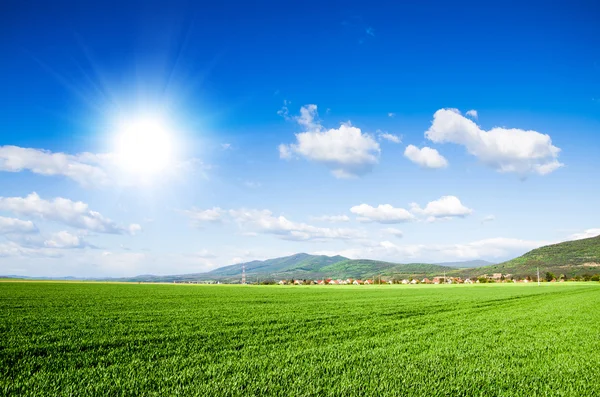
x=144 y=146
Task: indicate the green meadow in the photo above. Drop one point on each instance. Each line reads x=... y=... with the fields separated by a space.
x=83 y=339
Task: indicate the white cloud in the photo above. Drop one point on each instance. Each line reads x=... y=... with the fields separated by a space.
x=87 y=169
x=425 y=157
x=506 y=150
x=12 y=249
x=493 y=248
x=285 y=152
x=226 y=146
x=82 y=168
x=284 y=111
x=331 y=218
x=65 y=239
x=446 y=207
x=197 y=216
x=134 y=229
x=585 y=234
x=263 y=221
x=345 y=150
x=18 y=226
x=389 y=137
x=72 y=213
x=393 y=231
x=390 y=114
x=309 y=118
x=472 y=113
x=384 y=213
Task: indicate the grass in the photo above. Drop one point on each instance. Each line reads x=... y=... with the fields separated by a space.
x=137 y=339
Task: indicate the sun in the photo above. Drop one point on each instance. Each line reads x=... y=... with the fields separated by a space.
x=144 y=146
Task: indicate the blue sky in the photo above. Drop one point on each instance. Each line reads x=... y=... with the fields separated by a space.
x=171 y=137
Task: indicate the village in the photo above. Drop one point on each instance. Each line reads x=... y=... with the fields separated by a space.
x=493 y=278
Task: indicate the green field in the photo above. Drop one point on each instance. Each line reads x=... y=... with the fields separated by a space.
x=78 y=339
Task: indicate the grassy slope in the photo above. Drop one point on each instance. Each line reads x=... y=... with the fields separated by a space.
x=567 y=258
x=110 y=339
x=297 y=262
x=363 y=268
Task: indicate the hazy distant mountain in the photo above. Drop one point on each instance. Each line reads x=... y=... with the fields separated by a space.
x=467 y=264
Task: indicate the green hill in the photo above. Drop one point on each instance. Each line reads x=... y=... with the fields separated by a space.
x=365 y=268
x=465 y=264
x=571 y=258
x=297 y=263
x=305 y=266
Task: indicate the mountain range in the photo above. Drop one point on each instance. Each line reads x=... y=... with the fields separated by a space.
x=571 y=258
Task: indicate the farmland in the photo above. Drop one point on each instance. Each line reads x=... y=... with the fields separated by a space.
x=144 y=339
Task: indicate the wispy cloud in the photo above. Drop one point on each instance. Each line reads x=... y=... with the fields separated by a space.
x=389 y=137
x=488 y=218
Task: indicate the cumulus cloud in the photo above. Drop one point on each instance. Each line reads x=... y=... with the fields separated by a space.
x=12 y=249
x=346 y=150
x=425 y=157
x=391 y=114
x=472 y=113
x=65 y=239
x=83 y=168
x=585 y=234
x=389 y=137
x=384 y=213
x=61 y=210
x=446 y=207
x=263 y=221
x=331 y=218
x=393 y=231
x=506 y=150
x=18 y=226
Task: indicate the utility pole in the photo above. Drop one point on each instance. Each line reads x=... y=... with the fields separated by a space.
x=243 y=273
x=538 y=274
